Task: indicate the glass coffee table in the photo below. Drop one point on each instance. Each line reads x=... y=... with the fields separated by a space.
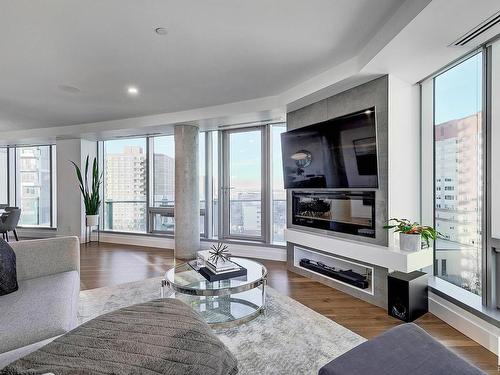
x=223 y=303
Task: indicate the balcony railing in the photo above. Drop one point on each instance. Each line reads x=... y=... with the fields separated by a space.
x=134 y=215
x=125 y=215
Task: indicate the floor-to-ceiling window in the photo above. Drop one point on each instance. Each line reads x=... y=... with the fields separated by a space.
x=202 y=179
x=493 y=258
x=33 y=181
x=243 y=183
x=458 y=145
x=125 y=205
x=163 y=184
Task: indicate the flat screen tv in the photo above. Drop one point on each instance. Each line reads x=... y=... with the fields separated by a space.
x=338 y=153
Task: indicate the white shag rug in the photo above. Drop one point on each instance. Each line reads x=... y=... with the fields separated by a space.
x=288 y=339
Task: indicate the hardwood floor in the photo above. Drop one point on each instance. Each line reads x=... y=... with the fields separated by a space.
x=110 y=264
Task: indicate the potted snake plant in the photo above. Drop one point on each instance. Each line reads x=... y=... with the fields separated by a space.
x=91 y=198
x=411 y=234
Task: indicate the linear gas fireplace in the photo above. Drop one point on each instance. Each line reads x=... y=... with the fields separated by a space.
x=351 y=212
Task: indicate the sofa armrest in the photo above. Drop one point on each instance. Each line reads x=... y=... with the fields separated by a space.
x=36 y=258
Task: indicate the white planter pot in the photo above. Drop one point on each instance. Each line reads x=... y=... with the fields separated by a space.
x=92 y=220
x=410 y=242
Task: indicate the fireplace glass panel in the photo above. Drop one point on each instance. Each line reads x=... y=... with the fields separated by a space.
x=344 y=212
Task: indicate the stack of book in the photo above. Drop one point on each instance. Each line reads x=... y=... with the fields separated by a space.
x=222 y=270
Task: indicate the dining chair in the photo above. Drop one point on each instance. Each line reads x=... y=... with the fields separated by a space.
x=9 y=221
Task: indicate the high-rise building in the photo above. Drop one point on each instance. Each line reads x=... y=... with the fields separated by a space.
x=125 y=189
x=164 y=183
x=458 y=195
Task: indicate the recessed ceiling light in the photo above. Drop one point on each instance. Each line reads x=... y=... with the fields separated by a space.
x=132 y=90
x=69 y=88
x=161 y=31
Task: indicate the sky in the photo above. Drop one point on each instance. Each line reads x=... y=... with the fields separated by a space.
x=458 y=91
x=245 y=156
x=116 y=146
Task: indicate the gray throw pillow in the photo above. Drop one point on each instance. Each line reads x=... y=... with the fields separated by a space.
x=8 y=275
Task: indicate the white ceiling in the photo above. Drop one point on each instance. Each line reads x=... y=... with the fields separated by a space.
x=423 y=46
x=216 y=52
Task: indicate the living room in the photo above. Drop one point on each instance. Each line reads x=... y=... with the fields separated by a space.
x=286 y=187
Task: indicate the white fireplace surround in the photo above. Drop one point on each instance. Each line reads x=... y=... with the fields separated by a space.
x=391 y=258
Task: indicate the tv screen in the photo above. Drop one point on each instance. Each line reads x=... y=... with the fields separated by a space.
x=338 y=153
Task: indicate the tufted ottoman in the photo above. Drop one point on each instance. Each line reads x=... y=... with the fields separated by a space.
x=406 y=349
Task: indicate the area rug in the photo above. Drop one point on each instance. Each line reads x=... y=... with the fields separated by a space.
x=289 y=339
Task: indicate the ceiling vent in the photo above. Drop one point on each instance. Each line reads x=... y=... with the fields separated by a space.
x=481 y=33
x=247 y=123
x=137 y=135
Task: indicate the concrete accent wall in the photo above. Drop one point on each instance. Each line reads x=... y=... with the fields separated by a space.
x=397 y=106
x=372 y=94
x=187 y=194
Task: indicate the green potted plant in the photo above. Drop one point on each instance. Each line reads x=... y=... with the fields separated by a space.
x=90 y=195
x=411 y=234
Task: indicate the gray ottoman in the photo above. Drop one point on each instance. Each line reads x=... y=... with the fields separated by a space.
x=159 y=337
x=406 y=349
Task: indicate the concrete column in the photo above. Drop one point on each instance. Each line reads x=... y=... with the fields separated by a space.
x=187 y=194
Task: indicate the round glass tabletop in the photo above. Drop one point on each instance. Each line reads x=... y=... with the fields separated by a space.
x=186 y=280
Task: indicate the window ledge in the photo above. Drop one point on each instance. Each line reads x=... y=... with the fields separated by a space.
x=37 y=228
x=203 y=239
x=464 y=299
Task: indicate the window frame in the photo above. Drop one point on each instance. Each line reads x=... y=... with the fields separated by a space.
x=488 y=262
x=101 y=153
x=225 y=181
x=152 y=210
x=12 y=183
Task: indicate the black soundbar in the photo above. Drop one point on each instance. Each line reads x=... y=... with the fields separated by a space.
x=348 y=276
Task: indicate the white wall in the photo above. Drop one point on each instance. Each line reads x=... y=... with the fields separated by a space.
x=495 y=142
x=427 y=153
x=69 y=202
x=86 y=148
x=71 y=212
x=404 y=151
x=470 y=325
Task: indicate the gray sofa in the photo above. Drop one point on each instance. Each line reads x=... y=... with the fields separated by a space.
x=46 y=304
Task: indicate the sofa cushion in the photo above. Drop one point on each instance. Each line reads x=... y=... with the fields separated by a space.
x=406 y=349
x=40 y=309
x=163 y=336
x=8 y=276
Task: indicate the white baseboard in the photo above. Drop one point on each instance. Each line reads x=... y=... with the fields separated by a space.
x=256 y=251
x=243 y=250
x=136 y=240
x=482 y=332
